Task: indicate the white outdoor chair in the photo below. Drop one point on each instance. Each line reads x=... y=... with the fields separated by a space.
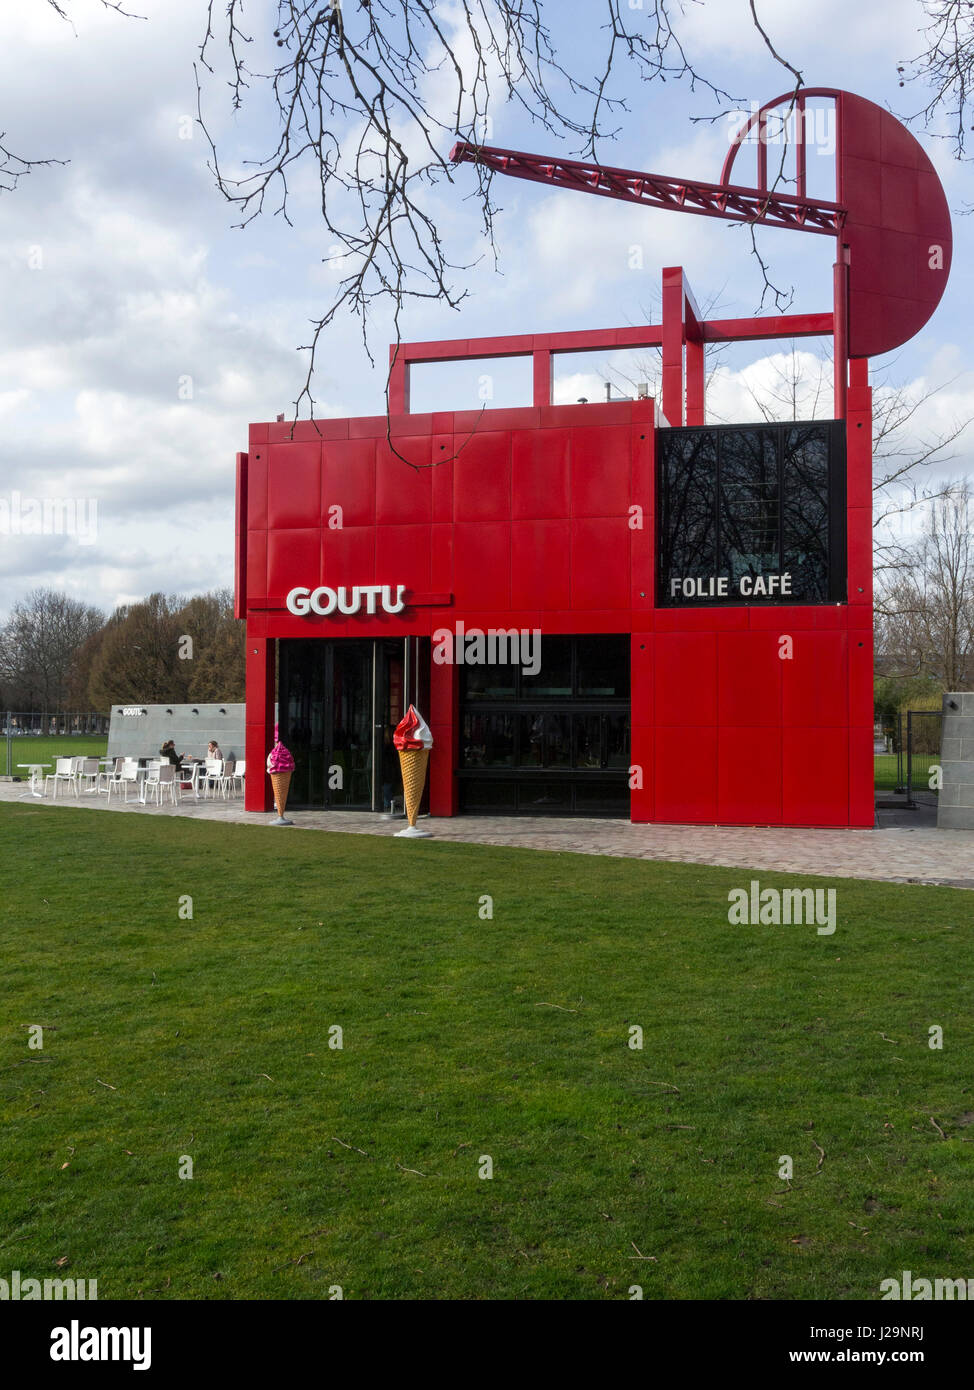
x=190 y=773
x=211 y=776
x=87 y=775
x=108 y=773
x=239 y=771
x=63 y=774
x=162 y=780
x=226 y=778
x=126 y=777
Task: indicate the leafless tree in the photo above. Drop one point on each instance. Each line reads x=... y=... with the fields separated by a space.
x=38 y=644
x=925 y=625
x=945 y=67
x=370 y=95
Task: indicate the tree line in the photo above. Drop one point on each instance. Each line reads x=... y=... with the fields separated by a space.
x=57 y=653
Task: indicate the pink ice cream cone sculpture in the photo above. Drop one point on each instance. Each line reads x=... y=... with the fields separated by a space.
x=280 y=766
x=413 y=742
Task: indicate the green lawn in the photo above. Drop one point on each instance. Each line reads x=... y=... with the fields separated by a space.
x=46 y=750
x=465 y=1037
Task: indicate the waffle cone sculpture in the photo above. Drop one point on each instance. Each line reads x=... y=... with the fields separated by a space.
x=280 y=767
x=280 y=781
x=413 y=741
x=413 y=763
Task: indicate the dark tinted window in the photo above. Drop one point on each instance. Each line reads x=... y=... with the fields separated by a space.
x=763 y=505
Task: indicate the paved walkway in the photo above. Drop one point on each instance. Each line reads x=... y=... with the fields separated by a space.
x=897 y=855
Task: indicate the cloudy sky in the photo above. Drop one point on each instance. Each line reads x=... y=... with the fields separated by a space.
x=143 y=331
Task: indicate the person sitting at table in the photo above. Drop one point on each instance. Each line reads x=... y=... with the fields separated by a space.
x=213 y=750
x=168 y=751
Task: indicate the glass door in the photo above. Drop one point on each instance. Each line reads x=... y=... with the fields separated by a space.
x=340 y=702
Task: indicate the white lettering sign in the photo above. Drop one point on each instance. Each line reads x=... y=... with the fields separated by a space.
x=748 y=586
x=347 y=599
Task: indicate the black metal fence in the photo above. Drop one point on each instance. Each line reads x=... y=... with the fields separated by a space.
x=907 y=772
x=36 y=735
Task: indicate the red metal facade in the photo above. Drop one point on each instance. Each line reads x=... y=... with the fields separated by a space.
x=523 y=518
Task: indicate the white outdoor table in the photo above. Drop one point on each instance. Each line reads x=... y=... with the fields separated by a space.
x=36 y=771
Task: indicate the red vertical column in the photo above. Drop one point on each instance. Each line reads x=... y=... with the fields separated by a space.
x=398 y=381
x=541 y=360
x=860 y=609
x=674 y=301
x=444 y=718
x=260 y=720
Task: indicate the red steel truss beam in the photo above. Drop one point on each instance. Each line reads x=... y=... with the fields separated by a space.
x=726 y=201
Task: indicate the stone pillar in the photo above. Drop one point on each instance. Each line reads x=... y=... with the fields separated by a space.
x=955 y=807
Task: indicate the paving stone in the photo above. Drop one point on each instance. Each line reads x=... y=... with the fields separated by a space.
x=898 y=855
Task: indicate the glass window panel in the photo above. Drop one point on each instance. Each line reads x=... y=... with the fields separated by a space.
x=588 y=740
x=617 y=740
x=488 y=796
x=602 y=668
x=596 y=798
x=749 y=532
x=487 y=740
x=554 y=678
x=687 y=505
x=487 y=682
x=805 y=512
x=545 y=798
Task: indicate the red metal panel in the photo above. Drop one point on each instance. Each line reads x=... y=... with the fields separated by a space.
x=348 y=481
x=257 y=488
x=641 y=795
x=601 y=474
x=260 y=654
x=293 y=559
x=539 y=564
x=686 y=678
x=685 y=777
x=348 y=557
x=860 y=541
x=600 y=563
x=403 y=489
x=862 y=789
x=540 y=473
x=748 y=680
x=240 y=541
x=441 y=558
x=482 y=565
x=749 y=775
x=815 y=681
x=293 y=485
x=815 y=776
x=256 y=566
x=482 y=478
x=403 y=557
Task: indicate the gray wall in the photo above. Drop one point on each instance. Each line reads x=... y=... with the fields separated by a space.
x=190 y=726
x=955 y=807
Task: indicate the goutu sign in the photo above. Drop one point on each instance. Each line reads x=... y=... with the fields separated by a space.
x=347 y=599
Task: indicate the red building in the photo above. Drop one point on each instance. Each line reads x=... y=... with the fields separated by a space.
x=661 y=692
x=702 y=595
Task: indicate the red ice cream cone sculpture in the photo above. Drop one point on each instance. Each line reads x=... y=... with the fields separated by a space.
x=413 y=742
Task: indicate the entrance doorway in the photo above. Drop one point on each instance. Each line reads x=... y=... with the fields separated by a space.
x=339 y=702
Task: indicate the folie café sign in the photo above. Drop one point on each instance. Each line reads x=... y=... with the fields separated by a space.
x=347 y=599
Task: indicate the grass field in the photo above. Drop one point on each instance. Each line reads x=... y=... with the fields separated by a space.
x=313 y=1167
x=48 y=750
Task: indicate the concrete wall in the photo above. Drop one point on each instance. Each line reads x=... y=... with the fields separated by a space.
x=955 y=809
x=190 y=726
